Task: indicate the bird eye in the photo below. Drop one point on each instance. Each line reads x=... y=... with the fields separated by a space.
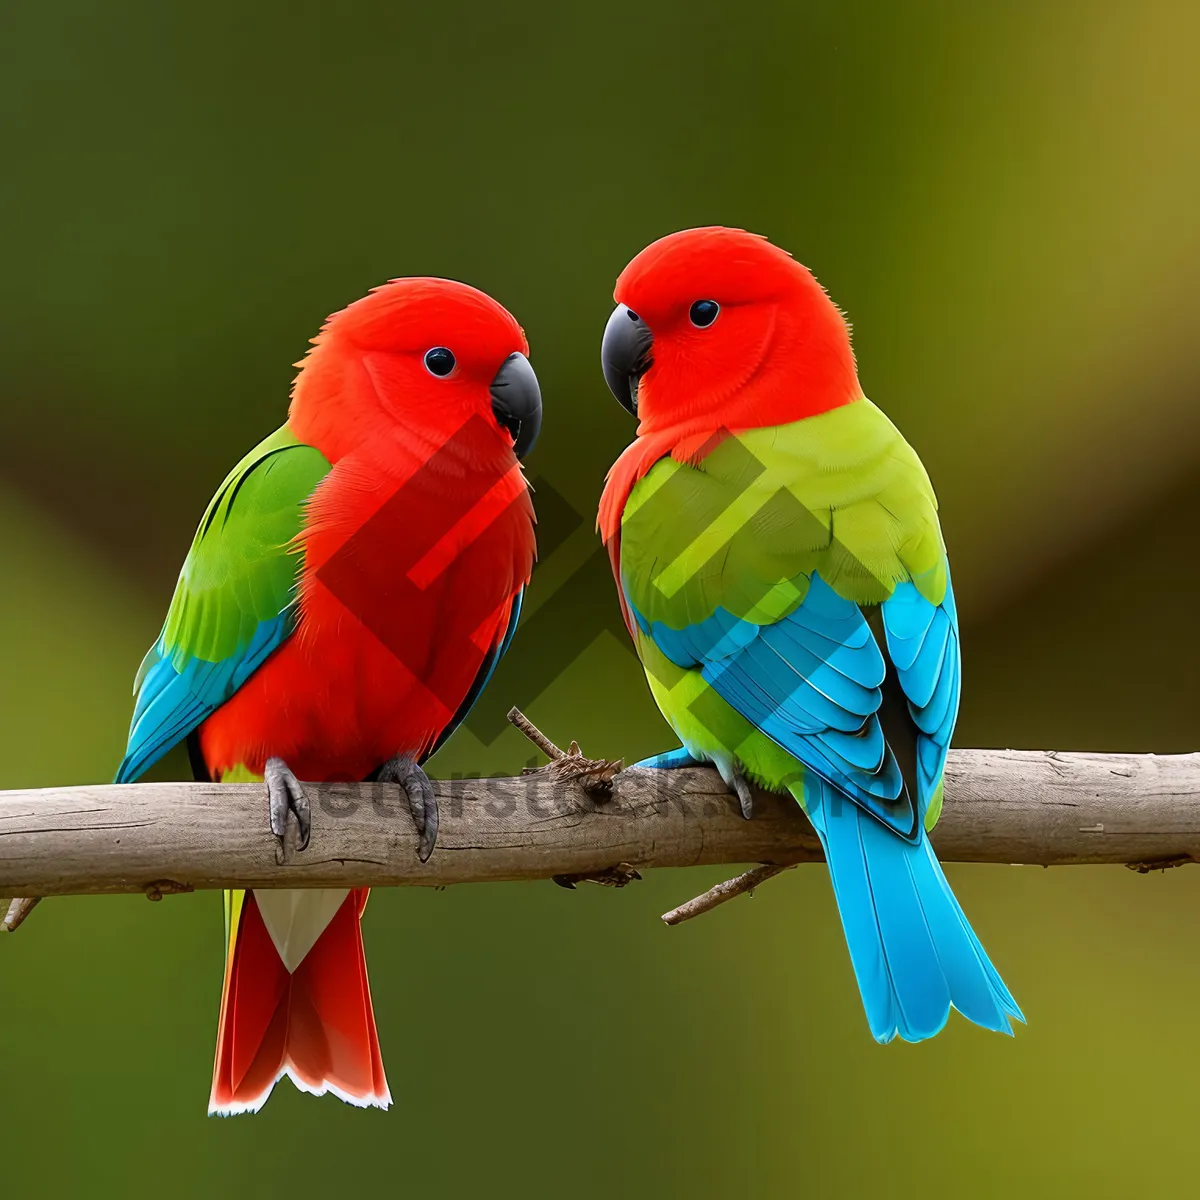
x=439 y=361
x=703 y=313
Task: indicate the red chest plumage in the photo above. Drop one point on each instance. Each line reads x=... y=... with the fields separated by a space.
x=413 y=559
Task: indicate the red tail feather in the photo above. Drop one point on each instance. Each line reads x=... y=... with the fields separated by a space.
x=315 y=1025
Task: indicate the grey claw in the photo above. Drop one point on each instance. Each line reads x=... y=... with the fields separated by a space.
x=421 y=801
x=284 y=793
x=744 y=794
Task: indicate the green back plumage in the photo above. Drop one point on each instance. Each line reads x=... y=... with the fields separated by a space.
x=841 y=493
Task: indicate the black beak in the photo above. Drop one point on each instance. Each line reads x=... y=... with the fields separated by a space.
x=625 y=355
x=517 y=402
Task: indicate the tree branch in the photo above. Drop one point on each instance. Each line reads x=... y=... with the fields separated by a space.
x=1001 y=806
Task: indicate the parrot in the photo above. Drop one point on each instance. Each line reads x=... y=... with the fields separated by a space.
x=349 y=592
x=782 y=572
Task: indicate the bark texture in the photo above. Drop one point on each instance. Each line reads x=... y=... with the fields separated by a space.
x=1004 y=806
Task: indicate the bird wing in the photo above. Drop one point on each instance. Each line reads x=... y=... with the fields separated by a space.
x=764 y=565
x=235 y=602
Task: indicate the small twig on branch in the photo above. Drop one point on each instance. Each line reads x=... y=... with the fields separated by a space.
x=534 y=734
x=158 y=888
x=724 y=892
x=18 y=910
x=1161 y=864
x=594 y=775
x=618 y=876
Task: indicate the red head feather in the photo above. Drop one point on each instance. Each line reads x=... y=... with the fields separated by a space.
x=365 y=377
x=779 y=349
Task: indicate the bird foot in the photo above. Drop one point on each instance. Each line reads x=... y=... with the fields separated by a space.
x=422 y=803
x=285 y=795
x=682 y=757
x=744 y=793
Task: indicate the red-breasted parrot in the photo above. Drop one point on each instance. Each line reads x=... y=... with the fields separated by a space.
x=348 y=593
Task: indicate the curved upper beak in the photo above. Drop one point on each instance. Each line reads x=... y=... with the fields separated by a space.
x=517 y=402
x=625 y=355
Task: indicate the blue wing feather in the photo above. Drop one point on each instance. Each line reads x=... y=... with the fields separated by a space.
x=923 y=642
x=812 y=682
x=171 y=703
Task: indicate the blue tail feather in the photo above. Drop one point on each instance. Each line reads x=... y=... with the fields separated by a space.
x=915 y=955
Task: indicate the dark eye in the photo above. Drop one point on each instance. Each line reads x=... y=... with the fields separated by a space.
x=439 y=361
x=703 y=313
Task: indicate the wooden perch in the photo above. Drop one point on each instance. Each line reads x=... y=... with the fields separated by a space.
x=1002 y=806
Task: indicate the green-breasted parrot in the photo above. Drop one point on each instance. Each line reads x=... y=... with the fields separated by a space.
x=782 y=572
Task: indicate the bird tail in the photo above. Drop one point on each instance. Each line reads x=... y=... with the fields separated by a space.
x=296 y=1001
x=914 y=954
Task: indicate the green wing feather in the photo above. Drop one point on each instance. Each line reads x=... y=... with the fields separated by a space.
x=242 y=566
x=234 y=602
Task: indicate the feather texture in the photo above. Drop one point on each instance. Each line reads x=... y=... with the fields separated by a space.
x=234 y=604
x=755 y=579
x=347 y=596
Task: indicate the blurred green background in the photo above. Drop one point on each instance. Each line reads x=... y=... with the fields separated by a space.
x=1002 y=197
